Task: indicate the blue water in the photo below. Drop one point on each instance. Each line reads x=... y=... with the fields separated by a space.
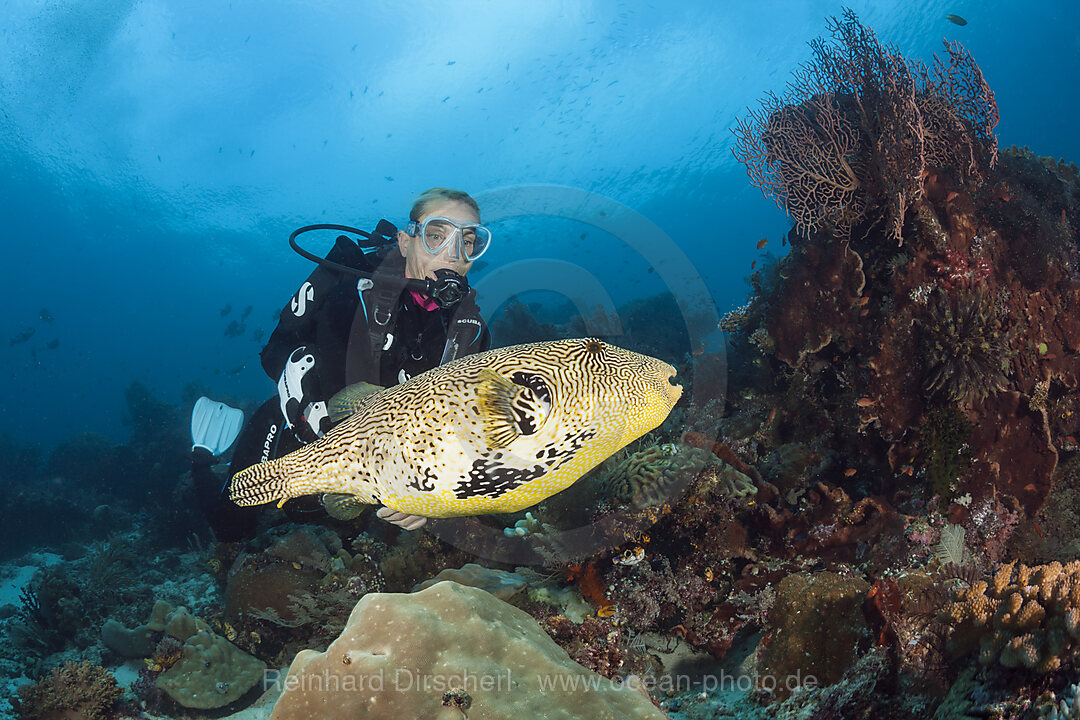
x=155 y=156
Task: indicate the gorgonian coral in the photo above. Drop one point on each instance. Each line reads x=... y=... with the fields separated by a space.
x=965 y=347
x=859 y=127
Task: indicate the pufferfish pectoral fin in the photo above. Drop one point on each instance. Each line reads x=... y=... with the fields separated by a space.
x=496 y=399
x=342 y=506
x=345 y=402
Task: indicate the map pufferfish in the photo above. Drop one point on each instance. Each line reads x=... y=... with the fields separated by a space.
x=494 y=432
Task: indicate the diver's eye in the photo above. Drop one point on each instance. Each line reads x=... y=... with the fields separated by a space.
x=594 y=347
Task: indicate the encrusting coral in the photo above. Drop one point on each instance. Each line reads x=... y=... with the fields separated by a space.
x=418 y=655
x=209 y=671
x=1022 y=617
x=651 y=476
x=816 y=626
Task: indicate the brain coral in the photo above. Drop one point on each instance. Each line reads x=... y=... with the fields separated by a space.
x=434 y=653
x=1023 y=617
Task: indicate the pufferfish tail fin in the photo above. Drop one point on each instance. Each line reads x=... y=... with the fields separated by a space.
x=266 y=482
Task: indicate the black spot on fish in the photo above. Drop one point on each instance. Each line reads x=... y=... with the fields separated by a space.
x=423 y=484
x=486 y=479
x=568 y=448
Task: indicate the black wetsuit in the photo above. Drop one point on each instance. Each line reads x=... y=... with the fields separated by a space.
x=333 y=317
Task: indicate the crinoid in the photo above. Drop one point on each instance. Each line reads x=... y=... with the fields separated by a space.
x=964 y=346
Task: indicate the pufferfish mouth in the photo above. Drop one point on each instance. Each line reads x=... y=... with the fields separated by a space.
x=672 y=388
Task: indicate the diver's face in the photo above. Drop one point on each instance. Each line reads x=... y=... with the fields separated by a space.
x=419 y=263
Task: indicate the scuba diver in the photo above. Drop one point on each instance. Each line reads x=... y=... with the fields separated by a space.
x=381 y=316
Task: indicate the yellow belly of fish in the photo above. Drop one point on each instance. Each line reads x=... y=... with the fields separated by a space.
x=443 y=504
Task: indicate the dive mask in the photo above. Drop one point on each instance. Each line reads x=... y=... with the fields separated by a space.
x=465 y=240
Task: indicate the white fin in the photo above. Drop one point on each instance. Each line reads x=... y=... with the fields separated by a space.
x=214 y=425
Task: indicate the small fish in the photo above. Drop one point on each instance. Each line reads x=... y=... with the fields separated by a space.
x=235 y=329
x=850 y=471
x=630 y=557
x=862 y=301
x=494 y=432
x=753 y=265
x=45 y=315
x=22 y=337
x=952 y=196
x=762 y=243
x=225 y=310
x=956 y=20
x=864 y=402
x=52 y=344
x=1030 y=487
x=247 y=311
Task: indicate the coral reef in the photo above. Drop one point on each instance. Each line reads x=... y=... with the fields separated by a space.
x=860 y=125
x=65 y=604
x=965 y=348
x=653 y=475
x=1022 y=617
x=399 y=654
x=500 y=583
x=195 y=666
x=954 y=362
x=73 y=690
x=815 y=628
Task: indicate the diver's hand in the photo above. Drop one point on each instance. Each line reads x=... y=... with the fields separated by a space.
x=408 y=522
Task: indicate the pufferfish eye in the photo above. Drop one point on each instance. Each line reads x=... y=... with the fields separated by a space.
x=594 y=347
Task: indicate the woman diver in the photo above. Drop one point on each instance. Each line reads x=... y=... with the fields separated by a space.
x=379 y=317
